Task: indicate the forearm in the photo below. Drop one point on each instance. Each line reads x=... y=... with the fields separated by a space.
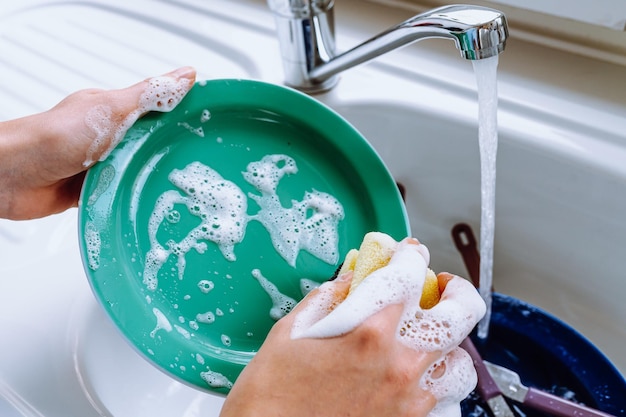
x=22 y=146
x=14 y=145
x=43 y=157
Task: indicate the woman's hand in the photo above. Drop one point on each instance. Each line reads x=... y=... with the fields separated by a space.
x=43 y=157
x=367 y=372
x=392 y=359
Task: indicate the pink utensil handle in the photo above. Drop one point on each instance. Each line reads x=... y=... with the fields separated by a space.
x=557 y=406
x=487 y=387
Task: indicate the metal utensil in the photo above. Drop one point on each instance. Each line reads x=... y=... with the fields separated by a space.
x=510 y=384
x=508 y=381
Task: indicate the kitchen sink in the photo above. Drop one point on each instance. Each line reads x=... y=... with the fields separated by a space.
x=561 y=177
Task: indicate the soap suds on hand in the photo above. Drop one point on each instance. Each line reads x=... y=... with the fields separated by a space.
x=161 y=94
x=438 y=329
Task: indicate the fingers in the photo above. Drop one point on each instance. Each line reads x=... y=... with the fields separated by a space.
x=450 y=380
x=442 y=279
x=384 y=322
x=329 y=294
x=318 y=304
x=113 y=112
x=162 y=93
x=462 y=293
x=399 y=282
x=440 y=328
x=422 y=249
x=445 y=325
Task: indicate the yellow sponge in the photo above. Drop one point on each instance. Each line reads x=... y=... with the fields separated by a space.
x=375 y=252
x=349 y=262
x=430 y=292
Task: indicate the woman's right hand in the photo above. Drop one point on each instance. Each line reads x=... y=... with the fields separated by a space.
x=366 y=372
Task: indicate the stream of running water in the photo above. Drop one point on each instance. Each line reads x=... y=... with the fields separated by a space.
x=486 y=81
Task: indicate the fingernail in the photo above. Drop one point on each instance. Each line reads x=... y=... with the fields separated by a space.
x=423 y=250
x=442 y=279
x=344 y=277
x=184 y=72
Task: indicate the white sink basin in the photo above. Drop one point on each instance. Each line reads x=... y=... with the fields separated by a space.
x=561 y=200
x=557 y=221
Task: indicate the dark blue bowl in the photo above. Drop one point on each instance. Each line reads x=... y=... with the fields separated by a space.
x=549 y=355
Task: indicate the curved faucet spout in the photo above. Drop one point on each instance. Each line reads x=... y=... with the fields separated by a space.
x=479 y=32
x=308 y=48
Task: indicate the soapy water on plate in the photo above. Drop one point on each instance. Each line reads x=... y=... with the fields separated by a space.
x=293 y=229
x=221 y=206
x=281 y=304
x=308 y=225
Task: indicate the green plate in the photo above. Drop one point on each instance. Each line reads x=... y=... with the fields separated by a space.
x=177 y=226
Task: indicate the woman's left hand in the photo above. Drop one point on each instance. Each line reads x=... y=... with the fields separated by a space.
x=44 y=157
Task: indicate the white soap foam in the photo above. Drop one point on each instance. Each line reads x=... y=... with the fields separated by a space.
x=447 y=324
x=450 y=380
x=205 y=285
x=308 y=285
x=439 y=329
x=207 y=318
x=198 y=131
x=104 y=181
x=160 y=94
x=161 y=324
x=98 y=119
x=93 y=243
x=265 y=174
x=310 y=224
x=281 y=303
x=184 y=332
x=220 y=205
x=216 y=380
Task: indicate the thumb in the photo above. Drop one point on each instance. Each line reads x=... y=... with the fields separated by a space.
x=110 y=122
x=162 y=93
x=318 y=303
x=328 y=295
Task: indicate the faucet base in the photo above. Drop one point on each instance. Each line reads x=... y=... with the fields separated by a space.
x=315 y=87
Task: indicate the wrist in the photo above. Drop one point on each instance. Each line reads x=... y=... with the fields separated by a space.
x=20 y=142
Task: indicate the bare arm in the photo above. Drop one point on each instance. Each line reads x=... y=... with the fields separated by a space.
x=43 y=157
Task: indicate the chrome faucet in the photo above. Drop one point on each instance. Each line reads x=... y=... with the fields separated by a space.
x=307 y=38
